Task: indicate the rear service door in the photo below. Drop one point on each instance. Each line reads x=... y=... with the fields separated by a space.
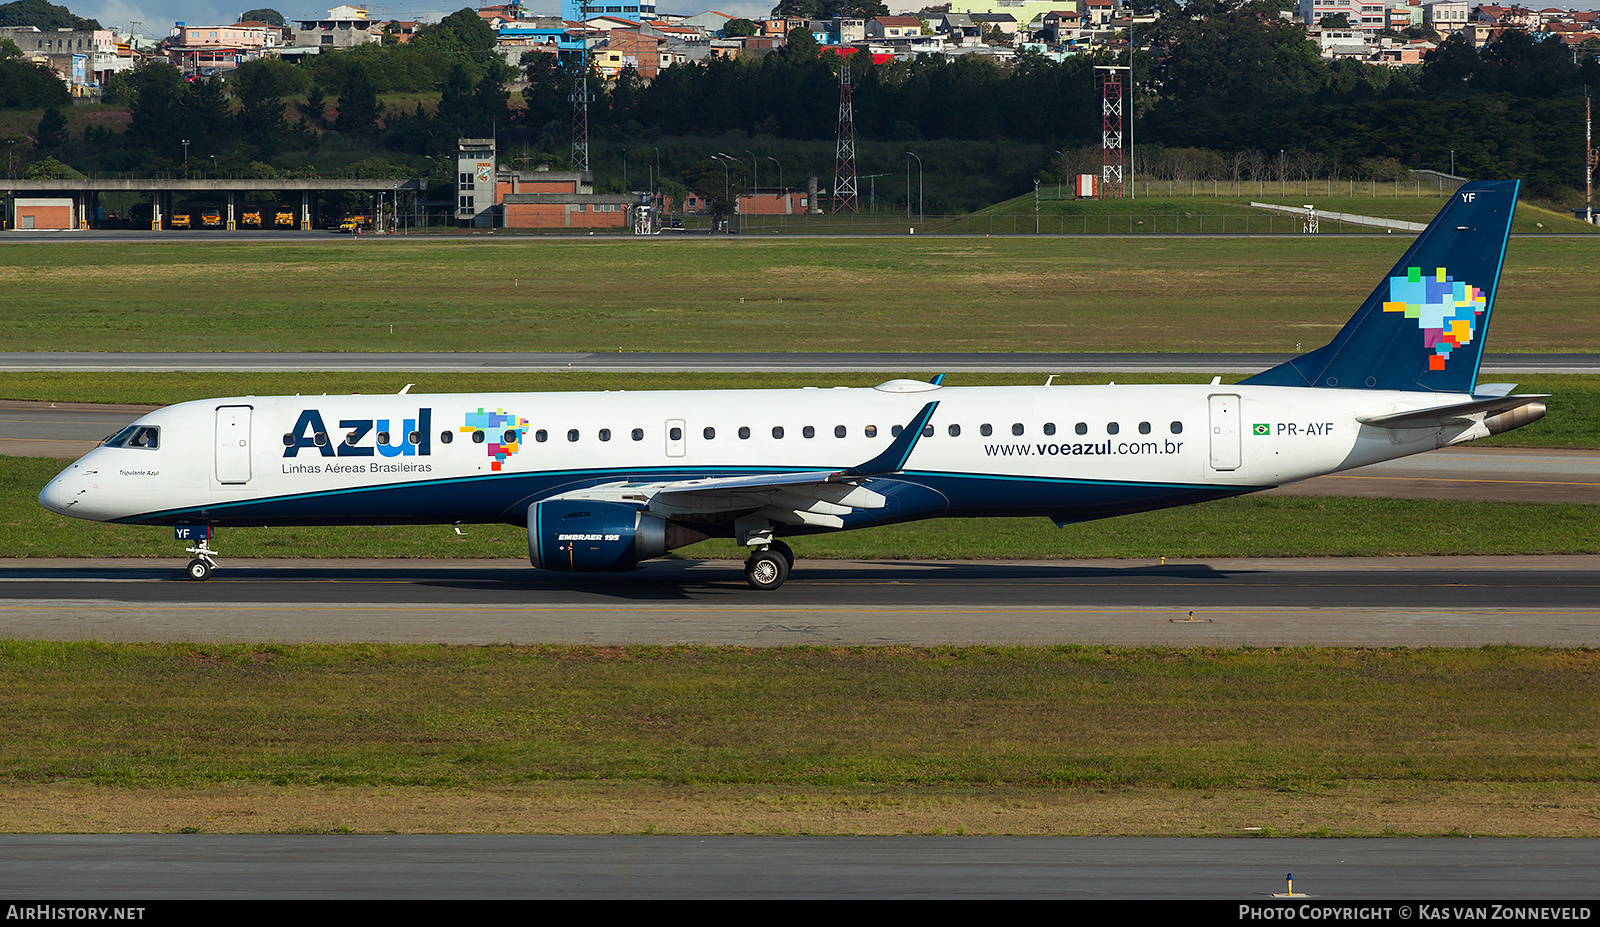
x=1225 y=432
x=233 y=444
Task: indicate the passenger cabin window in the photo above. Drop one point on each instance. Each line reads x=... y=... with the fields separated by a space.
x=1177 y=428
x=638 y=434
x=744 y=433
x=777 y=431
x=477 y=437
x=1081 y=428
x=1016 y=428
x=572 y=434
x=446 y=437
x=709 y=433
x=986 y=429
x=839 y=431
x=872 y=431
x=927 y=431
x=1144 y=428
x=809 y=432
x=605 y=434
x=1112 y=428
x=676 y=434
x=540 y=436
x=1049 y=428
x=955 y=431
x=896 y=429
x=383 y=437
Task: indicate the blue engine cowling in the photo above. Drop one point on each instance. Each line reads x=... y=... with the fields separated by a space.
x=579 y=536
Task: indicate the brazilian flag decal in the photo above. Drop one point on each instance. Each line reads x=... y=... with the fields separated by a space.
x=1262 y=429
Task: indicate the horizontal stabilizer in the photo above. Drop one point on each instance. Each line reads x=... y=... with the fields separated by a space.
x=1458 y=414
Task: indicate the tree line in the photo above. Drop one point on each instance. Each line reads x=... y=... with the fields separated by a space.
x=1227 y=77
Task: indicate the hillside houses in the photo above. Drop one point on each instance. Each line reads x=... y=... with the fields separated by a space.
x=639 y=37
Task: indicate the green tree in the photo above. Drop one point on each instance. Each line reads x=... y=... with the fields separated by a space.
x=50 y=169
x=260 y=87
x=1236 y=52
x=358 y=102
x=264 y=15
x=47 y=16
x=718 y=182
x=1334 y=21
x=739 y=28
x=25 y=86
x=52 y=131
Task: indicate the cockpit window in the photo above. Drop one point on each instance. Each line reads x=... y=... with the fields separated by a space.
x=145 y=436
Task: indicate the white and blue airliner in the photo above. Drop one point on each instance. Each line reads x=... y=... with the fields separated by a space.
x=603 y=481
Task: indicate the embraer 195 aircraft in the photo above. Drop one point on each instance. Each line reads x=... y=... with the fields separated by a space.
x=603 y=481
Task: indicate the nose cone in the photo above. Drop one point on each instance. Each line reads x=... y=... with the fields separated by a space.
x=57 y=495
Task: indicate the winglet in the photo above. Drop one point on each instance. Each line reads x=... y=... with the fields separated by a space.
x=896 y=455
x=938 y=380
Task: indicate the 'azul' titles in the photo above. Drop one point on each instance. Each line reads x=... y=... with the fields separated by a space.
x=361 y=437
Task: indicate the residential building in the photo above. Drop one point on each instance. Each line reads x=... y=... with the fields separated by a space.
x=219 y=48
x=576 y=11
x=344 y=27
x=1446 y=17
x=82 y=58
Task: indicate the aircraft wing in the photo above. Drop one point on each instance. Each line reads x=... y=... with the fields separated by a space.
x=807 y=497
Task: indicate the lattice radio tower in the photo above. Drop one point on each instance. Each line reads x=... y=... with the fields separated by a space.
x=844 y=170
x=581 y=97
x=1111 y=151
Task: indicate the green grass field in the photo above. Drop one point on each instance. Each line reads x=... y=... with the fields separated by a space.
x=703 y=294
x=862 y=735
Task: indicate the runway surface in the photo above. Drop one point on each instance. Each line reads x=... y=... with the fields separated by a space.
x=1330 y=874
x=42 y=429
x=730 y=362
x=1412 y=602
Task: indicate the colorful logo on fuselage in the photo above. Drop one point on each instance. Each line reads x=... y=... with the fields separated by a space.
x=1446 y=310
x=503 y=433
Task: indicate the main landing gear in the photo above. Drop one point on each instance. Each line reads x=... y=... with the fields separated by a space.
x=768 y=567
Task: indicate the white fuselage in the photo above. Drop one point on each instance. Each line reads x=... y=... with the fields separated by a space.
x=1068 y=452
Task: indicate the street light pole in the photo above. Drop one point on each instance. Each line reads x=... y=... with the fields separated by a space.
x=921 y=218
x=727 y=190
x=782 y=191
x=755 y=184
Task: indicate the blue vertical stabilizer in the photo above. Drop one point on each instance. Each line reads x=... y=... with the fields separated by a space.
x=1423 y=328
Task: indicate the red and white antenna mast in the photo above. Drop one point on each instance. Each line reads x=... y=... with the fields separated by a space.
x=1112 y=100
x=844 y=170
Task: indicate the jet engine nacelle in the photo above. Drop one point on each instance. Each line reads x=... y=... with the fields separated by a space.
x=582 y=536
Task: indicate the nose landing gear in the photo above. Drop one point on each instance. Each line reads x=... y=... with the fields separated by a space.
x=205 y=560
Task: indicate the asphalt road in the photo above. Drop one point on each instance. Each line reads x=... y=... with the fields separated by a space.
x=1330 y=876
x=731 y=362
x=1411 y=602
